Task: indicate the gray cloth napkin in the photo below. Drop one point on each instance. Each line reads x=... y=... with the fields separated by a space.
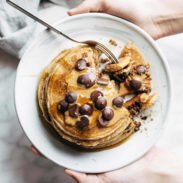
x=17 y=30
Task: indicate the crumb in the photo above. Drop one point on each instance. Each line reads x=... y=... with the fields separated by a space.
x=113 y=42
x=137 y=126
x=104 y=60
x=143 y=117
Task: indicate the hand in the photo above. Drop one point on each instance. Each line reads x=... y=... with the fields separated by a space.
x=35 y=151
x=158 y=166
x=158 y=18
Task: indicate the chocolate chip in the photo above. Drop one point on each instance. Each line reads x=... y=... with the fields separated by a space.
x=83 y=123
x=100 y=103
x=101 y=121
x=107 y=114
x=138 y=104
x=62 y=106
x=95 y=94
x=81 y=64
x=86 y=109
x=118 y=102
x=140 y=69
x=88 y=80
x=71 y=97
x=123 y=76
x=74 y=111
x=135 y=84
x=116 y=78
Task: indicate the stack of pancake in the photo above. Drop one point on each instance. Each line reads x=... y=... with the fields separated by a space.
x=85 y=104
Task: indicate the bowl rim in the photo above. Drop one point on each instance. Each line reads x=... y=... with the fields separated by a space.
x=149 y=40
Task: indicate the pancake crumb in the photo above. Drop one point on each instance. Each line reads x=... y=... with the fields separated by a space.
x=113 y=42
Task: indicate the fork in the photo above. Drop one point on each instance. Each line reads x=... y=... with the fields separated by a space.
x=92 y=43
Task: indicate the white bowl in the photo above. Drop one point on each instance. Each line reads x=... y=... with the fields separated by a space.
x=100 y=27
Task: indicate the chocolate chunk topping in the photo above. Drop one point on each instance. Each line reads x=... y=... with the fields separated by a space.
x=71 y=97
x=118 y=102
x=135 y=84
x=116 y=78
x=123 y=76
x=88 y=80
x=107 y=114
x=95 y=95
x=62 y=106
x=101 y=121
x=83 y=123
x=86 y=109
x=140 y=69
x=100 y=103
x=81 y=64
x=74 y=111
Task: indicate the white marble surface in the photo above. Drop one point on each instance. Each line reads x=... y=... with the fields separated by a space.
x=19 y=165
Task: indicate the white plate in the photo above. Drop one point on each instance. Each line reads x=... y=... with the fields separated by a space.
x=100 y=27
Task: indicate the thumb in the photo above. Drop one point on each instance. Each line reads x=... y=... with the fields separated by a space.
x=79 y=177
x=88 y=6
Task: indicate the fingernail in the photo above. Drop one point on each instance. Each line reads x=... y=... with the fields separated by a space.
x=35 y=151
x=70 y=12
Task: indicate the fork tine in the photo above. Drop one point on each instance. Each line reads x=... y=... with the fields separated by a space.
x=105 y=48
x=107 y=52
x=104 y=51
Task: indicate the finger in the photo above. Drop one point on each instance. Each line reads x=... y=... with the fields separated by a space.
x=79 y=177
x=35 y=151
x=88 y=6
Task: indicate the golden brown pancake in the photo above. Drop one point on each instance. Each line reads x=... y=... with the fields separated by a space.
x=42 y=88
x=71 y=78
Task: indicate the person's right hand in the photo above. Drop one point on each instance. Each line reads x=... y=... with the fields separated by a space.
x=158 y=166
x=158 y=18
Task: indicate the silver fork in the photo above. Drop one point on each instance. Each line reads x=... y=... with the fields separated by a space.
x=92 y=43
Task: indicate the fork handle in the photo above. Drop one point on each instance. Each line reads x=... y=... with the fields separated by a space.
x=38 y=19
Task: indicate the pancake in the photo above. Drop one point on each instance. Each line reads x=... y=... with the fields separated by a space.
x=83 y=103
x=42 y=87
x=108 y=141
x=131 y=66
